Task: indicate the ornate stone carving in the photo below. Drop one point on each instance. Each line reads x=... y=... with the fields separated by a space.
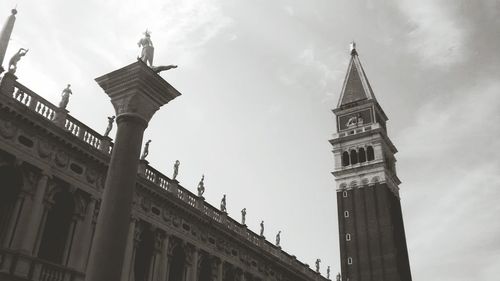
x=7 y=129
x=44 y=149
x=61 y=158
x=91 y=175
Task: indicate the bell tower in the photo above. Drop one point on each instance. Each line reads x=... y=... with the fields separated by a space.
x=371 y=231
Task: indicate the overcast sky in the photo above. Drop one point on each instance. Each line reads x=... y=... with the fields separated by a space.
x=258 y=82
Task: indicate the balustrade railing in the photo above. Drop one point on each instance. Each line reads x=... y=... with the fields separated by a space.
x=36 y=103
x=215 y=214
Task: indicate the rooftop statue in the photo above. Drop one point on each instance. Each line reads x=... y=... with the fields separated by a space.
x=223 y=203
x=15 y=59
x=317 y=265
x=65 y=97
x=278 y=238
x=111 y=120
x=243 y=215
x=147 y=53
x=328 y=272
x=176 y=169
x=262 y=228
x=338 y=277
x=146 y=150
x=201 y=187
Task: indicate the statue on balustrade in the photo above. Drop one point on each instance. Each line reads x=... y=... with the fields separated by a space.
x=328 y=272
x=243 y=215
x=176 y=169
x=15 y=59
x=223 y=204
x=278 y=238
x=148 y=51
x=338 y=277
x=65 y=97
x=146 y=150
x=201 y=187
x=111 y=120
x=262 y=228
x=317 y=265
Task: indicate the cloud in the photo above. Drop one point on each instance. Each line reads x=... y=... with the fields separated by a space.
x=436 y=36
x=451 y=174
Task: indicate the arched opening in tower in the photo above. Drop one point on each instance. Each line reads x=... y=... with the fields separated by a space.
x=345 y=158
x=57 y=226
x=370 y=153
x=11 y=180
x=354 y=157
x=178 y=265
x=144 y=254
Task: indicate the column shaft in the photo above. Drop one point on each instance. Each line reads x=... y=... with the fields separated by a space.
x=82 y=240
x=127 y=258
x=108 y=249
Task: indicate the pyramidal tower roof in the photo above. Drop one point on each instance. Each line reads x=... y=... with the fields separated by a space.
x=356 y=86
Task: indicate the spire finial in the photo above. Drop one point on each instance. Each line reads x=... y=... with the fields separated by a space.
x=353 y=48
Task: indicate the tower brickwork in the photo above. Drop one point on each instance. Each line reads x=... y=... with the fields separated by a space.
x=371 y=231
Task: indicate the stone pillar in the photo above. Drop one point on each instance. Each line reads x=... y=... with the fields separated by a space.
x=7 y=84
x=5 y=36
x=220 y=270
x=136 y=93
x=105 y=144
x=163 y=268
x=82 y=239
x=193 y=276
x=129 y=250
x=156 y=264
x=26 y=234
x=60 y=117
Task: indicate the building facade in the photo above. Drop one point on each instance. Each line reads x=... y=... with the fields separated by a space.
x=52 y=173
x=53 y=170
x=371 y=231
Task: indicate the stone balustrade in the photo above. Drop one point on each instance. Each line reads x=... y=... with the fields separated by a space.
x=94 y=140
x=357 y=130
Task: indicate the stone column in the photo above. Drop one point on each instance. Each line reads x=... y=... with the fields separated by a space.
x=156 y=266
x=82 y=239
x=193 y=276
x=136 y=93
x=163 y=267
x=129 y=250
x=5 y=36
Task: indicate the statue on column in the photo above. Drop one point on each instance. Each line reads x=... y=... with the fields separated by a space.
x=65 y=97
x=201 y=187
x=223 y=204
x=146 y=150
x=15 y=59
x=338 y=277
x=317 y=265
x=262 y=228
x=278 y=238
x=147 y=53
x=176 y=169
x=111 y=120
x=243 y=215
x=328 y=272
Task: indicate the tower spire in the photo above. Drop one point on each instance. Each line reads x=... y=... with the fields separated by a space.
x=5 y=36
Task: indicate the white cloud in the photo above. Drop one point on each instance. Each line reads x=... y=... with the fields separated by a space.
x=436 y=35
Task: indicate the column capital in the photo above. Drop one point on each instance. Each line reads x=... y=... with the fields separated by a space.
x=136 y=90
